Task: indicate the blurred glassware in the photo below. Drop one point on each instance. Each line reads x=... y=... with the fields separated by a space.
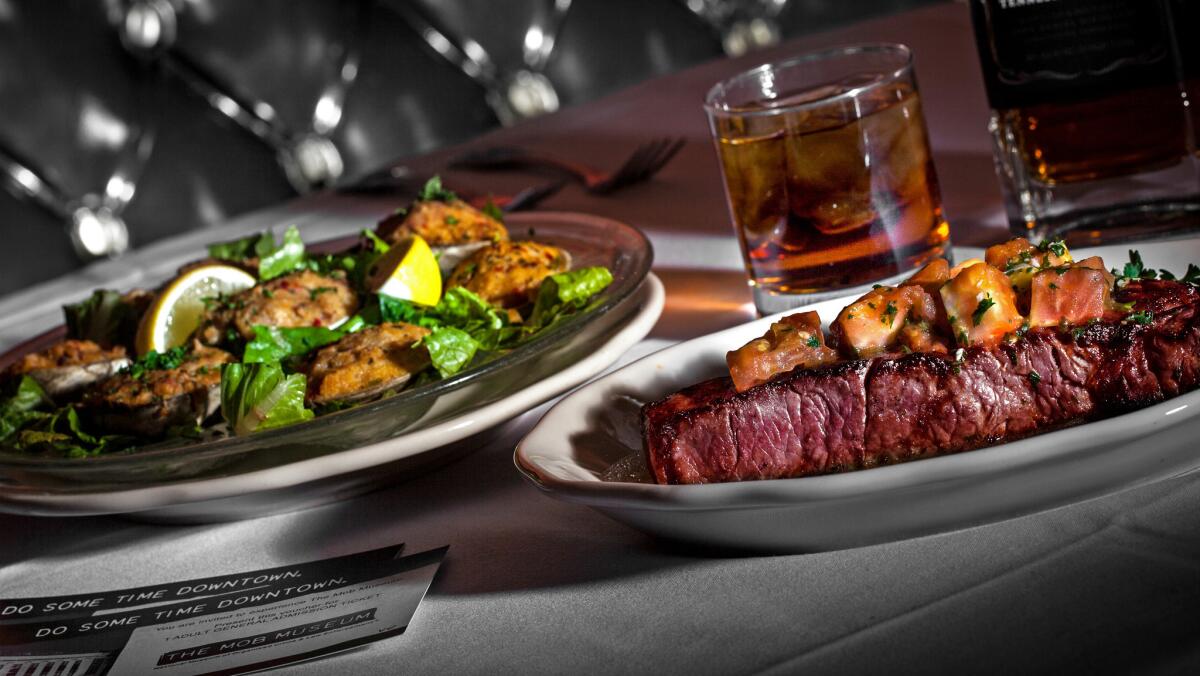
x=79 y=140
x=515 y=92
x=743 y=25
x=217 y=49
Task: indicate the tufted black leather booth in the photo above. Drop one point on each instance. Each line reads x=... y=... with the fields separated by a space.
x=125 y=121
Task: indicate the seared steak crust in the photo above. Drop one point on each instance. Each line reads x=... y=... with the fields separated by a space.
x=859 y=414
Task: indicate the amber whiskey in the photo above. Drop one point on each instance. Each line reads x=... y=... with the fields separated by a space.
x=1092 y=115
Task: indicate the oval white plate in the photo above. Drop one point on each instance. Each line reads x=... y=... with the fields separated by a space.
x=592 y=438
x=309 y=482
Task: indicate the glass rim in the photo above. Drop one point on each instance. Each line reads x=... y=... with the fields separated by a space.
x=714 y=108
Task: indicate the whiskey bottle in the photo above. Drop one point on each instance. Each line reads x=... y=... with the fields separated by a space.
x=1094 y=117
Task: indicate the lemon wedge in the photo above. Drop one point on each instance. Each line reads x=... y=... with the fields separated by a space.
x=179 y=308
x=408 y=271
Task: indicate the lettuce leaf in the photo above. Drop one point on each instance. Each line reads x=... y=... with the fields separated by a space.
x=21 y=406
x=103 y=318
x=450 y=349
x=260 y=396
x=26 y=426
x=62 y=433
x=288 y=256
x=274 y=259
x=274 y=344
x=566 y=293
x=253 y=246
x=464 y=325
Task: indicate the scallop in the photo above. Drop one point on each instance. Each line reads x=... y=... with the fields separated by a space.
x=147 y=404
x=366 y=364
x=67 y=368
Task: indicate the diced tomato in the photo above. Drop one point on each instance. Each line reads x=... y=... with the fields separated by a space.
x=931 y=277
x=921 y=337
x=1071 y=295
x=1097 y=263
x=1020 y=260
x=963 y=266
x=793 y=341
x=980 y=306
x=870 y=325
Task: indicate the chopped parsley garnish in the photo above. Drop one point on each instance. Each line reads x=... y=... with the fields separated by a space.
x=889 y=314
x=1054 y=246
x=494 y=211
x=1080 y=330
x=451 y=220
x=1192 y=276
x=155 y=361
x=267 y=293
x=434 y=192
x=1035 y=377
x=1142 y=317
x=1136 y=269
x=959 y=359
x=813 y=342
x=1018 y=262
x=1053 y=286
x=982 y=308
x=1023 y=330
x=313 y=293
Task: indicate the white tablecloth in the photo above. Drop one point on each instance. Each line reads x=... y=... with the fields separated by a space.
x=533 y=585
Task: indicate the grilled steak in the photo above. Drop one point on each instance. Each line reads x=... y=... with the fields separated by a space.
x=862 y=413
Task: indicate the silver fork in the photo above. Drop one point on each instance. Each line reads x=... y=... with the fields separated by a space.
x=399 y=180
x=646 y=160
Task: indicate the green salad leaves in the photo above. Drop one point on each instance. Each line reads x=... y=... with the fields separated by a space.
x=261 y=397
x=464 y=325
x=565 y=293
x=103 y=318
x=274 y=259
x=266 y=387
x=29 y=423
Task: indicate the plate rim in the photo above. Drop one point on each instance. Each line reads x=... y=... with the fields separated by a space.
x=1029 y=452
x=628 y=329
x=566 y=331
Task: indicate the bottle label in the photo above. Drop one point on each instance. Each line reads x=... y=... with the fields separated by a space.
x=1046 y=51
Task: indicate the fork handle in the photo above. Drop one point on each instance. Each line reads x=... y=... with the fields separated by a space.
x=505 y=158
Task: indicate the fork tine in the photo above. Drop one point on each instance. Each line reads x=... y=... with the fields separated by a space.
x=658 y=153
x=633 y=168
x=665 y=156
x=635 y=161
x=646 y=168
